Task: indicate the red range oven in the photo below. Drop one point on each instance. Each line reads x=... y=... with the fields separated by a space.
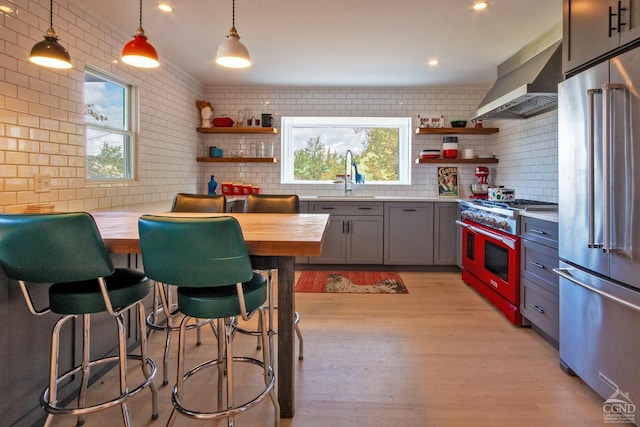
x=491 y=265
x=491 y=250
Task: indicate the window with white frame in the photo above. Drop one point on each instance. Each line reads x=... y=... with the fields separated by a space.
x=314 y=149
x=108 y=116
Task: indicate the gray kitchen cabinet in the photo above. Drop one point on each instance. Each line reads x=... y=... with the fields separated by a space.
x=445 y=233
x=538 y=283
x=354 y=235
x=408 y=233
x=304 y=208
x=594 y=28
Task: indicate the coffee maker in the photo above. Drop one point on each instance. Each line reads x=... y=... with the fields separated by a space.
x=480 y=188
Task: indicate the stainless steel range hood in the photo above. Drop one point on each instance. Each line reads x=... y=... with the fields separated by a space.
x=524 y=88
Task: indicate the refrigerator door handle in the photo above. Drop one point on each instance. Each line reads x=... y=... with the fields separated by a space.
x=591 y=168
x=566 y=273
x=607 y=141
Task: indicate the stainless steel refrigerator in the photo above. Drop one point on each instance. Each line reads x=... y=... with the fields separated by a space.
x=599 y=213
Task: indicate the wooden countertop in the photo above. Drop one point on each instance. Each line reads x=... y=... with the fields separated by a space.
x=264 y=234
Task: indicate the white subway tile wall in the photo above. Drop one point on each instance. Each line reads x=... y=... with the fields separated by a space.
x=41 y=128
x=526 y=149
x=41 y=116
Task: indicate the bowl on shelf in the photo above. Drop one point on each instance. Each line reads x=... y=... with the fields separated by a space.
x=430 y=154
x=458 y=123
x=222 y=122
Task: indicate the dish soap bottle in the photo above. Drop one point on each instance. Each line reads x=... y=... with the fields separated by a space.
x=212 y=186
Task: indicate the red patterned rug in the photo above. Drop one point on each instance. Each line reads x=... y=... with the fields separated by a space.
x=368 y=282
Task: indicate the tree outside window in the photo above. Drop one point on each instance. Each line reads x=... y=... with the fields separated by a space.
x=107 y=115
x=314 y=149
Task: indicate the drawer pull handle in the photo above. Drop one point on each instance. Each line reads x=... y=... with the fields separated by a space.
x=408 y=210
x=537 y=308
x=364 y=208
x=328 y=208
x=537 y=264
x=540 y=232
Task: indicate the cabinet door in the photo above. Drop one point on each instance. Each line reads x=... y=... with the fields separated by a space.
x=631 y=18
x=334 y=245
x=591 y=30
x=364 y=239
x=408 y=234
x=304 y=208
x=445 y=234
x=586 y=30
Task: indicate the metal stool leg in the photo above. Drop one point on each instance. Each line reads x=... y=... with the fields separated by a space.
x=122 y=356
x=144 y=355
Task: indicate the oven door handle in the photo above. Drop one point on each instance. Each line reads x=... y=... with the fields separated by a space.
x=508 y=242
x=511 y=243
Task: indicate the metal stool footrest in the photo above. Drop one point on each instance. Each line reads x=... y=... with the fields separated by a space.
x=54 y=409
x=229 y=412
x=163 y=327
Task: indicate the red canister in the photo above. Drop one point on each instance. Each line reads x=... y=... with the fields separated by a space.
x=227 y=188
x=450 y=147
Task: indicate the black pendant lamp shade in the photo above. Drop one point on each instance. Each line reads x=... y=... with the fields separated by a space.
x=48 y=52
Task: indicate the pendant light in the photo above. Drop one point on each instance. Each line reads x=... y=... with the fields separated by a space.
x=139 y=52
x=232 y=53
x=48 y=52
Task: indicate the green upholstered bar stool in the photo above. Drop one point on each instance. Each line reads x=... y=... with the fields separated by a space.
x=206 y=258
x=65 y=252
x=161 y=319
x=272 y=203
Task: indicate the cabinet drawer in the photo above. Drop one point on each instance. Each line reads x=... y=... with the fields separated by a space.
x=347 y=208
x=540 y=307
x=538 y=262
x=540 y=231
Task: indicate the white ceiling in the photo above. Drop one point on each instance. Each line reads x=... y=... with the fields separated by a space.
x=338 y=43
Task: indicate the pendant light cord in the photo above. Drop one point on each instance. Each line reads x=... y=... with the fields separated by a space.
x=51 y=15
x=233 y=14
x=140 y=13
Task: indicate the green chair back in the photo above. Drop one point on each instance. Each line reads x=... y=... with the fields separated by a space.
x=194 y=252
x=47 y=248
x=185 y=202
x=272 y=203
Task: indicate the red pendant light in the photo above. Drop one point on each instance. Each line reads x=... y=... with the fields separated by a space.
x=139 y=52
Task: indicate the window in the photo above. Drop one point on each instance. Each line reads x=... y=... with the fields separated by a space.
x=314 y=149
x=108 y=119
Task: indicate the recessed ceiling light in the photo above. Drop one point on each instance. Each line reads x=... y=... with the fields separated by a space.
x=433 y=62
x=165 y=7
x=480 y=5
x=5 y=9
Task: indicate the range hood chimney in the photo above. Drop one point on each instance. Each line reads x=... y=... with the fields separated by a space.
x=525 y=87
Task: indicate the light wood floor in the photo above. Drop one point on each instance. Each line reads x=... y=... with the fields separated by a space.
x=440 y=356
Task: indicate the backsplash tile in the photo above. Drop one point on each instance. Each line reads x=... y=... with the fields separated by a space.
x=41 y=129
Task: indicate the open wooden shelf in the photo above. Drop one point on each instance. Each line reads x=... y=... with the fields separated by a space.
x=470 y=161
x=237 y=159
x=456 y=131
x=260 y=130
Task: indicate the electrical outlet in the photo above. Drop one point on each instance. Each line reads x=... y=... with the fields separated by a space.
x=42 y=183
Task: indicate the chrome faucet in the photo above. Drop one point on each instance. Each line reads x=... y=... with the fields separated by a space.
x=348 y=160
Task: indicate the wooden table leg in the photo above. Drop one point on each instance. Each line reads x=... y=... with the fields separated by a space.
x=286 y=343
